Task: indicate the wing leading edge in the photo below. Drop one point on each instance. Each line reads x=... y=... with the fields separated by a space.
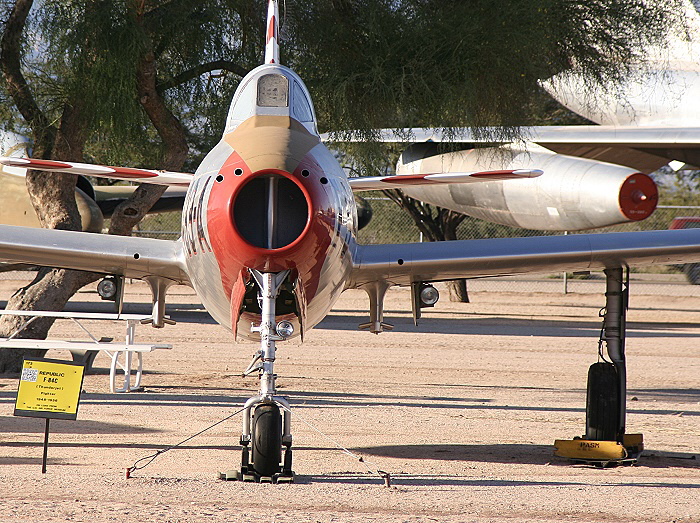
x=106 y=254
x=129 y=174
x=402 y=264
x=378 y=183
x=643 y=148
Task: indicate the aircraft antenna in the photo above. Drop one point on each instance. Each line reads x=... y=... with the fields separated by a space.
x=272 y=48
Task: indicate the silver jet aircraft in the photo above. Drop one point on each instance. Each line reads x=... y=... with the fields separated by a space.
x=269 y=243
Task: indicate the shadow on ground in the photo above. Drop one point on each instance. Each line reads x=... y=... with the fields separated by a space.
x=521 y=327
x=27 y=425
x=510 y=453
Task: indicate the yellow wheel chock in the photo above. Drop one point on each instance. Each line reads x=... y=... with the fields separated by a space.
x=601 y=452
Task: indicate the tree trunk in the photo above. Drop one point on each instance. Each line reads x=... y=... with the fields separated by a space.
x=50 y=291
x=450 y=221
x=458 y=291
x=175 y=148
x=436 y=224
x=53 y=195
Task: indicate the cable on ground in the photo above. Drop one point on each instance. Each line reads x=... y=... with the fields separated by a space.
x=386 y=476
x=150 y=458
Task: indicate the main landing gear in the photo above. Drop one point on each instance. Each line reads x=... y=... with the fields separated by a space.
x=267 y=417
x=605 y=441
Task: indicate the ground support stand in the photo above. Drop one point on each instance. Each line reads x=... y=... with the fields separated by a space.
x=267 y=417
x=605 y=442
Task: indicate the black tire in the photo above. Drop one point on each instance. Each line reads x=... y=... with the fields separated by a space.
x=602 y=403
x=267 y=440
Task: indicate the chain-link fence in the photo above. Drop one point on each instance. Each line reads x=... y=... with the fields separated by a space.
x=391 y=224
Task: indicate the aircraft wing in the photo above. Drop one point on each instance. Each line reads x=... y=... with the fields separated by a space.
x=102 y=171
x=378 y=183
x=402 y=264
x=102 y=253
x=184 y=179
x=108 y=197
x=643 y=148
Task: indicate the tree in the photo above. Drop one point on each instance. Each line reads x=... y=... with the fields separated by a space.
x=437 y=224
x=105 y=74
x=404 y=63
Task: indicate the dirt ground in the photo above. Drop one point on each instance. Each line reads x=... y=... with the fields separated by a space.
x=462 y=411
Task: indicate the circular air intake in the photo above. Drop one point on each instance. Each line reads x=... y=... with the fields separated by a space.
x=270 y=211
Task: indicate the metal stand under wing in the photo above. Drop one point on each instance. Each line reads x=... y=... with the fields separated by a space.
x=605 y=442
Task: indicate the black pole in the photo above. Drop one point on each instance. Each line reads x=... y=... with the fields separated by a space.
x=46 y=447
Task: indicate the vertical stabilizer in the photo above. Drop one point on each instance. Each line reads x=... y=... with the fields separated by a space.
x=272 y=48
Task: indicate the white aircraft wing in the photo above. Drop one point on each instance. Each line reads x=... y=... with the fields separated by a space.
x=102 y=171
x=643 y=148
x=402 y=264
x=102 y=253
x=377 y=183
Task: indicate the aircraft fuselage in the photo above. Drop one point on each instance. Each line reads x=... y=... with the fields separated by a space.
x=270 y=197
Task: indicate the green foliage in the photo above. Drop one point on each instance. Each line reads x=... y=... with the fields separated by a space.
x=442 y=63
x=368 y=63
x=435 y=63
x=87 y=51
x=92 y=48
x=678 y=188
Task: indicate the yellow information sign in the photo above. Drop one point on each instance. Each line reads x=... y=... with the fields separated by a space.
x=49 y=389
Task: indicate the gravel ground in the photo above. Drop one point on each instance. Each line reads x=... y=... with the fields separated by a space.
x=461 y=411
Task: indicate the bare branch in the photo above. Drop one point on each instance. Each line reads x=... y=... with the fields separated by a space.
x=191 y=74
x=168 y=126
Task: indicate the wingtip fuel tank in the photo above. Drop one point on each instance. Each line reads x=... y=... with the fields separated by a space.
x=572 y=194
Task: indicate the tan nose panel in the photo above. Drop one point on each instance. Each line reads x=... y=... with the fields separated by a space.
x=272 y=142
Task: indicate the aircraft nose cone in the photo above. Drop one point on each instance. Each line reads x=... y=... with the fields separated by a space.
x=639 y=197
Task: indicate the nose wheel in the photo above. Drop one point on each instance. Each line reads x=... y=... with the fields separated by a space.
x=267 y=417
x=262 y=458
x=267 y=440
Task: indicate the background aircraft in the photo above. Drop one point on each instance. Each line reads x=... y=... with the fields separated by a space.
x=269 y=243
x=595 y=175
x=95 y=202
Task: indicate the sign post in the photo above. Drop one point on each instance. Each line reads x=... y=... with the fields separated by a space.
x=49 y=389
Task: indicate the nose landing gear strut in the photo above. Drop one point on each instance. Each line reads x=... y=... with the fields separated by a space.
x=267 y=417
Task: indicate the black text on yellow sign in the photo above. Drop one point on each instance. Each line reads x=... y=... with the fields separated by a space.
x=49 y=389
